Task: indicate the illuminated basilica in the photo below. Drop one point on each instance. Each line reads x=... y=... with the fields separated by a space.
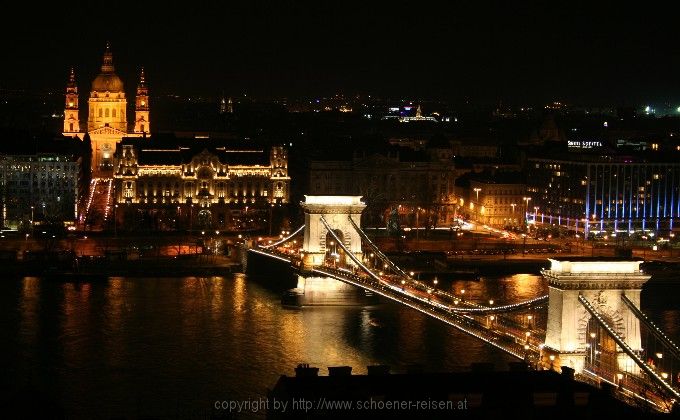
x=168 y=182
x=107 y=119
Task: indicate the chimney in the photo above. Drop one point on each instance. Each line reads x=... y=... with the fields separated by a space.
x=303 y=370
x=567 y=372
x=339 y=370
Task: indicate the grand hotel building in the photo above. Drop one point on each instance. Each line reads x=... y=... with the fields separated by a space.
x=593 y=193
x=203 y=182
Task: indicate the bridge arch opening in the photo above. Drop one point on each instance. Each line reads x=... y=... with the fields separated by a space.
x=601 y=352
x=334 y=252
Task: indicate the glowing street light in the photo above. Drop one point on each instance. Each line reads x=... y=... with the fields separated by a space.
x=477 y=190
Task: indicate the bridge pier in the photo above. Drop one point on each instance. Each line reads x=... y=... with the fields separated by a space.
x=325 y=291
x=573 y=337
x=320 y=247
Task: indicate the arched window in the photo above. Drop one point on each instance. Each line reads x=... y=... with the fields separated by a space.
x=113 y=113
x=101 y=112
x=106 y=113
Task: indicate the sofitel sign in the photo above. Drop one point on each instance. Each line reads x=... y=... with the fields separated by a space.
x=584 y=144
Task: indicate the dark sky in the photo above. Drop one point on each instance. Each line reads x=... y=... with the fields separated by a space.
x=486 y=52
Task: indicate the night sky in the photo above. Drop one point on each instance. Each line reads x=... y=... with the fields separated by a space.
x=482 y=53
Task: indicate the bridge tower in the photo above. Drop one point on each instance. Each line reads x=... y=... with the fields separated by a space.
x=573 y=337
x=336 y=209
x=320 y=247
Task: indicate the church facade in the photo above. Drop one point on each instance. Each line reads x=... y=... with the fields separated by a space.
x=107 y=116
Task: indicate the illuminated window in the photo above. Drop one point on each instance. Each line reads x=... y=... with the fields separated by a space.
x=655 y=146
x=113 y=113
x=101 y=112
x=106 y=113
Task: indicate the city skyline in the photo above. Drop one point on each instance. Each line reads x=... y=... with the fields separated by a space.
x=459 y=53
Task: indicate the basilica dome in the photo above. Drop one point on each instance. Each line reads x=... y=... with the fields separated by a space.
x=107 y=80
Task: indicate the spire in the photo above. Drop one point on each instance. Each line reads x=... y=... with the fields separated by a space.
x=142 y=89
x=418 y=113
x=142 y=81
x=71 y=86
x=107 y=66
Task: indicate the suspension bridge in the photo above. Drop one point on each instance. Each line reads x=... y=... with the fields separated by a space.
x=589 y=322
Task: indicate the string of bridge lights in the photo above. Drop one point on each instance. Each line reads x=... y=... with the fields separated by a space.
x=505 y=308
x=646 y=320
x=626 y=348
x=286 y=239
x=444 y=317
x=107 y=209
x=379 y=289
x=93 y=186
x=450 y=315
x=379 y=253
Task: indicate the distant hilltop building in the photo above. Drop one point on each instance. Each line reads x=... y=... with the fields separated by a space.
x=107 y=120
x=226 y=106
x=398 y=114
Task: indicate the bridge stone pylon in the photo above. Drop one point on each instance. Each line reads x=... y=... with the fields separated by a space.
x=573 y=338
x=336 y=210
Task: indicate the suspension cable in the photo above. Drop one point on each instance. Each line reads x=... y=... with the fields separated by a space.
x=505 y=308
x=656 y=332
x=626 y=348
x=375 y=249
x=347 y=252
x=286 y=239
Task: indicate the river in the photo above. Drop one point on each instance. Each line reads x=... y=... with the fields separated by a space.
x=171 y=347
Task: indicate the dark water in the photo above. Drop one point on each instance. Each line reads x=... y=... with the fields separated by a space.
x=170 y=348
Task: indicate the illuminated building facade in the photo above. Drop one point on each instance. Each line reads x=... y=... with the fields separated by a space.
x=200 y=183
x=497 y=200
x=408 y=178
x=619 y=194
x=107 y=121
x=40 y=182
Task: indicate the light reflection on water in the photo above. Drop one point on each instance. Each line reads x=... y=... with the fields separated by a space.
x=171 y=347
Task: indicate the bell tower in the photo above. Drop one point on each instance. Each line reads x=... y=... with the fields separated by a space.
x=71 y=120
x=142 y=123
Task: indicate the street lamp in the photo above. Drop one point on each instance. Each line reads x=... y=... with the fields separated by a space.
x=417 y=224
x=535 y=212
x=477 y=190
x=526 y=206
x=592 y=348
x=191 y=218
